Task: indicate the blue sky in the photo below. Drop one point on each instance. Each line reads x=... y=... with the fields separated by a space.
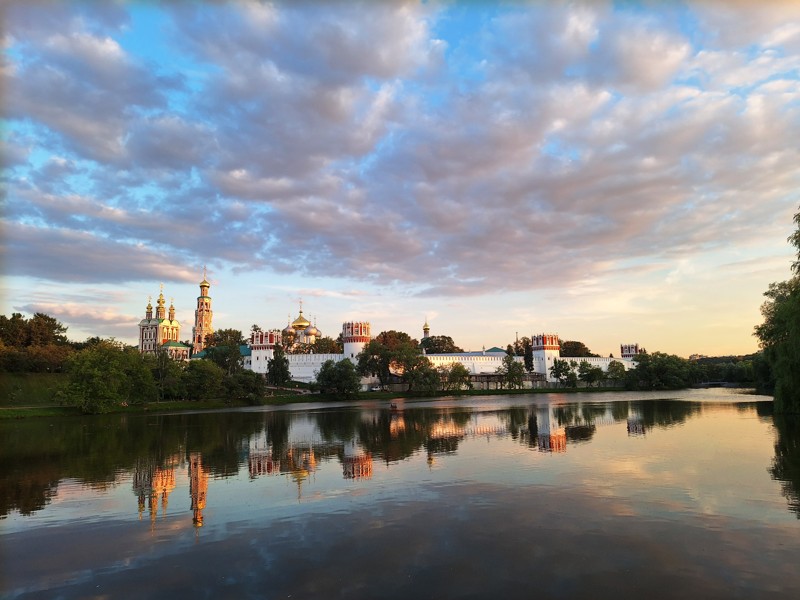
x=611 y=173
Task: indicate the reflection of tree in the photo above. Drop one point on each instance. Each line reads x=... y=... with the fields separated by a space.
x=620 y=410
x=516 y=419
x=786 y=465
x=665 y=413
x=338 y=425
x=580 y=433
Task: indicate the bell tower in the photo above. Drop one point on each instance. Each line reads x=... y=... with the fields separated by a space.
x=202 y=317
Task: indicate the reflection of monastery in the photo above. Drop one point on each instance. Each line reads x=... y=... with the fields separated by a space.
x=301 y=452
x=162 y=330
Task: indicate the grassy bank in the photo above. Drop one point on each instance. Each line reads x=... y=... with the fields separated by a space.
x=30 y=389
x=40 y=402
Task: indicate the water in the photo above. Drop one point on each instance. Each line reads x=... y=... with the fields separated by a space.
x=691 y=494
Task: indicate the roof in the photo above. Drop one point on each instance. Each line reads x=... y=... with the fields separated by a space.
x=174 y=344
x=496 y=349
x=244 y=350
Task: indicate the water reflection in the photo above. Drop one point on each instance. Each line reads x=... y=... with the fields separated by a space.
x=786 y=466
x=158 y=453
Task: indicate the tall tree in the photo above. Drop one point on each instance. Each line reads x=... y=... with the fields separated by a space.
x=278 y=368
x=573 y=349
x=339 y=378
x=439 y=344
x=223 y=348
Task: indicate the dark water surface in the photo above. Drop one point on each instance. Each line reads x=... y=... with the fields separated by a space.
x=688 y=495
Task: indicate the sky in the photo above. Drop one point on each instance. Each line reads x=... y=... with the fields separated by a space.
x=609 y=172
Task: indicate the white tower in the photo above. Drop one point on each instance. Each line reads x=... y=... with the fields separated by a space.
x=355 y=335
x=262 y=349
x=546 y=348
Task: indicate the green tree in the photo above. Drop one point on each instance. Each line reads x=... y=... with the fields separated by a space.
x=223 y=349
x=589 y=374
x=338 y=378
x=439 y=344
x=245 y=385
x=560 y=370
x=573 y=349
x=511 y=371
x=615 y=371
x=278 y=373
x=327 y=345
x=14 y=330
x=456 y=376
x=659 y=371
x=423 y=378
x=374 y=361
x=202 y=380
x=527 y=355
x=779 y=338
x=106 y=375
x=44 y=329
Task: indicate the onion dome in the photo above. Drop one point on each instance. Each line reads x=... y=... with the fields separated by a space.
x=312 y=330
x=300 y=322
x=288 y=330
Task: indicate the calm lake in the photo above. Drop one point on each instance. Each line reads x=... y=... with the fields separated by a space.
x=692 y=494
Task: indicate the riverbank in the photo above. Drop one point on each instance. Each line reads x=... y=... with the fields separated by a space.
x=43 y=405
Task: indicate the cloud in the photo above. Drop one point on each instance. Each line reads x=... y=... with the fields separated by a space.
x=547 y=147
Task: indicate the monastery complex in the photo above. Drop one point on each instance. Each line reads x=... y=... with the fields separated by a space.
x=163 y=330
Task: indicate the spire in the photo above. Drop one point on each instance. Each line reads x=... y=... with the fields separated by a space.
x=172 y=309
x=148 y=314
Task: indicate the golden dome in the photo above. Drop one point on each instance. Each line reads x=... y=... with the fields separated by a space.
x=300 y=322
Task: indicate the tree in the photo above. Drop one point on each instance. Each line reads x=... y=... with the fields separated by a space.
x=278 y=373
x=327 y=345
x=659 y=371
x=615 y=371
x=439 y=344
x=106 y=375
x=44 y=329
x=456 y=376
x=338 y=378
x=560 y=370
x=590 y=374
x=573 y=349
x=167 y=374
x=223 y=348
x=527 y=355
x=390 y=352
x=246 y=385
x=423 y=378
x=374 y=361
x=779 y=338
x=203 y=380
x=512 y=371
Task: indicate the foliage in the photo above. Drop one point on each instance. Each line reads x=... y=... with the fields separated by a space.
x=203 y=380
x=439 y=344
x=560 y=370
x=455 y=376
x=512 y=372
x=278 y=373
x=222 y=348
x=106 y=375
x=338 y=378
x=35 y=345
x=779 y=337
x=167 y=374
x=660 y=371
x=615 y=371
x=423 y=377
x=589 y=374
x=39 y=330
x=246 y=385
x=573 y=349
x=391 y=352
x=327 y=345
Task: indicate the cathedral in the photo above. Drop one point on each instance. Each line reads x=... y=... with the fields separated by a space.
x=161 y=331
